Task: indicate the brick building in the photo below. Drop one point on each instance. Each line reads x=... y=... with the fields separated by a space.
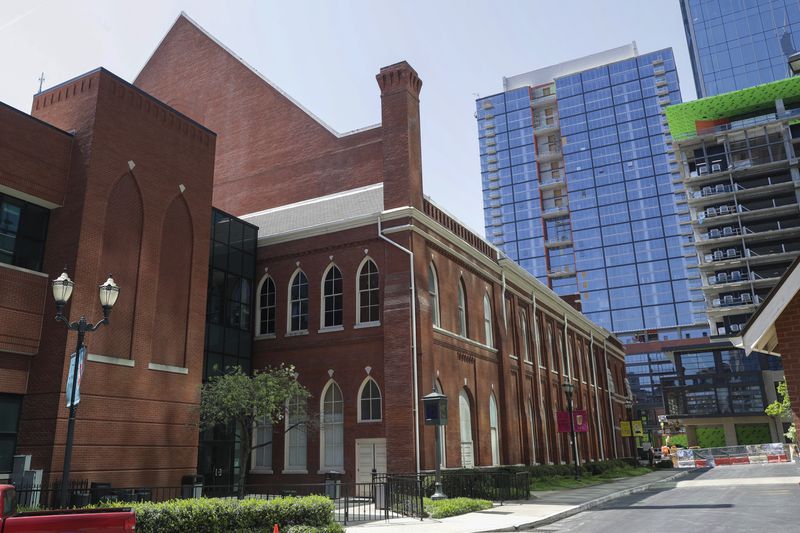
x=374 y=293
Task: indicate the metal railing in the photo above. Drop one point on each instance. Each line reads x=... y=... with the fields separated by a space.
x=496 y=486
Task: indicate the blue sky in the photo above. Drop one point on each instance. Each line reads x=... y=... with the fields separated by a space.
x=326 y=54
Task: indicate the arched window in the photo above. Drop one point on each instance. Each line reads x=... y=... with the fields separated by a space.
x=332 y=428
x=298 y=302
x=523 y=331
x=261 y=460
x=368 y=293
x=369 y=402
x=487 y=321
x=266 y=307
x=296 y=436
x=433 y=290
x=332 y=298
x=533 y=432
x=462 y=309
x=465 y=426
x=442 y=431
x=494 y=431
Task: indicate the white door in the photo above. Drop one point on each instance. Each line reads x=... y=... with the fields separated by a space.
x=465 y=425
x=370 y=453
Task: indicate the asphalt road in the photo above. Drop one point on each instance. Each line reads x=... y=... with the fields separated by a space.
x=746 y=498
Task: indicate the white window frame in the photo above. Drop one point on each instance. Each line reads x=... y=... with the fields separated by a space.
x=324 y=428
x=433 y=290
x=532 y=431
x=526 y=349
x=372 y=323
x=465 y=427
x=487 y=321
x=442 y=431
x=380 y=397
x=494 y=430
x=254 y=467
x=260 y=334
x=463 y=325
x=324 y=296
x=289 y=300
x=301 y=429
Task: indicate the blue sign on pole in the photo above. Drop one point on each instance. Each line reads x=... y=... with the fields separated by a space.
x=72 y=373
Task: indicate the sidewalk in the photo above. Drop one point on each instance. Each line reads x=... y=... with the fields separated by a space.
x=545 y=508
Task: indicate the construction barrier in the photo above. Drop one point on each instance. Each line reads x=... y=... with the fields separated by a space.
x=774 y=452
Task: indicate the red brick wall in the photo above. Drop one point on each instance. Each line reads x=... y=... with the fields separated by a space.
x=22 y=299
x=134 y=425
x=270 y=152
x=788 y=329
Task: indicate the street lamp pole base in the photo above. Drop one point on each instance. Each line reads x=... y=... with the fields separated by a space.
x=438 y=494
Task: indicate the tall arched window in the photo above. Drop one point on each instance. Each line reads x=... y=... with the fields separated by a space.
x=465 y=427
x=533 y=432
x=296 y=436
x=332 y=298
x=494 y=431
x=332 y=430
x=266 y=307
x=298 y=302
x=487 y=321
x=523 y=331
x=433 y=290
x=368 y=293
x=369 y=402
x=462 y=309
x=261 y=460
x=442 y=430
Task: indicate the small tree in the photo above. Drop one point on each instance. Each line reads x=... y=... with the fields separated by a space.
x=782 y=408
x=244 y=399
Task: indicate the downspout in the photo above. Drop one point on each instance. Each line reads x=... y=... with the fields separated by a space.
x=567 y=352
x=610 y=405
x=413 y=289
x=538 y=379
x=503 y=302
x=596 y=399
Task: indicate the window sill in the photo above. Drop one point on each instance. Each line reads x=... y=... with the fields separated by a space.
x=462 y=338
x=512 y=356
x=529 y=363
x=297 y=333
x=264 y=337
x=362 y=325
x=97 y=358
x=168 y=368
x=370 y=421
x=329 y=329
x=332 y=469
x=26 y=270
x=261 y=470
x=295 y=472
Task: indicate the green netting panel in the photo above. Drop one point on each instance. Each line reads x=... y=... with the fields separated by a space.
x=710 y=436
x=682 y=117
x=679 y=440
x=753 y=434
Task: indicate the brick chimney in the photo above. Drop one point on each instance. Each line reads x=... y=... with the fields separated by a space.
x=402 y=151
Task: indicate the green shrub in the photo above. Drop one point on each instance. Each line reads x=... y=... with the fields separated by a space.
x=454 y=506
x=217 y=515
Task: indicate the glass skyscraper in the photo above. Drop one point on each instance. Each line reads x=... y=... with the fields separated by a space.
x=736 y=44
x=578 y=188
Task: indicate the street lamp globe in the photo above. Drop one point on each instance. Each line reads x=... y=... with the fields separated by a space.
x=62 y=290
x=108 y=293
x=568 y=387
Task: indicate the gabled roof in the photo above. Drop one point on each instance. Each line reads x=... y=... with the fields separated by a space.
x=759 y=333
x=266 y=80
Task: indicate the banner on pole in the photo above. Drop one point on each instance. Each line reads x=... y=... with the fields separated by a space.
x=638 y=429
x=580 y=417
x=625 y=428
x=81 y=362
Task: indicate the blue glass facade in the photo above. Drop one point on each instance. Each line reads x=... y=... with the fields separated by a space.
x=578 y=189
x=735 y=44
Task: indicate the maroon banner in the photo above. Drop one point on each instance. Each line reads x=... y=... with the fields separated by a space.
x=581 y=421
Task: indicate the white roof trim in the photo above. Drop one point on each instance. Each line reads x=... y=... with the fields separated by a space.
x=254 y=71
x=761 y=335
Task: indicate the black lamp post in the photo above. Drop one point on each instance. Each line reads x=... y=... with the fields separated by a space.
x=62 y=290
x=568 y=390
x=629 y=407
x=435 y=405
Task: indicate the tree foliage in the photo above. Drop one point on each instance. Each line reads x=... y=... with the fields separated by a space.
x=243 y=399
x=782 y=408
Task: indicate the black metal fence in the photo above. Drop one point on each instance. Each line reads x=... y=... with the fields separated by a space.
x=386 y=496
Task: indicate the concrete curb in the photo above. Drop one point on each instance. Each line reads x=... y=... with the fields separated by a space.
x=590 y=504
